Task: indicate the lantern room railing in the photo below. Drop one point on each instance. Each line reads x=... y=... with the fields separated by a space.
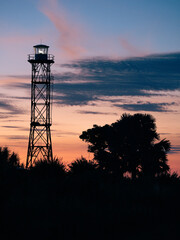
x=48 y=57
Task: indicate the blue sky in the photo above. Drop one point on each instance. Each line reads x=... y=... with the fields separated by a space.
x=153 y=24
x=116 y=28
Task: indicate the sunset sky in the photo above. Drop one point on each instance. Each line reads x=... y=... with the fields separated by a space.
x=111 y=57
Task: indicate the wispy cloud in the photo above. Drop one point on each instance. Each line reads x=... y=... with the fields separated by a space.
x=16 y=127
x=64 y=133
x=175 y=149
x=9 y=109
x=148 y=107
x=95 y=112
x=131 y=49
x=16 y=137
x=11 y=127
x=70 y=34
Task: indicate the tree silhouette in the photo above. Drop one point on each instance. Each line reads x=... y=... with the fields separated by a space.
x=8 y=159
x=129 y=145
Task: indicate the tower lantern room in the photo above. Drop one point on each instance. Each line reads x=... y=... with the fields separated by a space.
x=41 y=52
x=41 y=49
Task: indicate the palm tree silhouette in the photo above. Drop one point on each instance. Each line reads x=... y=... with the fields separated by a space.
x=154 y=163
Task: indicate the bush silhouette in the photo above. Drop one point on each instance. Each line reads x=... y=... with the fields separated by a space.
x=39 y=202
x=82 y=166
x=47 y=168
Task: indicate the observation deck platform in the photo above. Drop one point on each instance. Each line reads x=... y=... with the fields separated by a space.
x=41 y=58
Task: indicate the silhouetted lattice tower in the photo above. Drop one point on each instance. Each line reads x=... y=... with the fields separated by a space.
x=40 y=145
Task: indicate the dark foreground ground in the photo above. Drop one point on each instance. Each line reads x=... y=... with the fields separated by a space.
x=88 y=207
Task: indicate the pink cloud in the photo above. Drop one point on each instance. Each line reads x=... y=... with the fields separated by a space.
x=131 y=49
x=70 y=34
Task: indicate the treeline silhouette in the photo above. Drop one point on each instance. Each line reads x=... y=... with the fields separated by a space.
x=126 y=192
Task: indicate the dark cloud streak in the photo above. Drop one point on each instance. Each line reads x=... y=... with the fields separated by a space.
x=95 y=112
x=175 y=149
x=130 y=77
x=10 y=108
x=152 y=107
x=95 y=79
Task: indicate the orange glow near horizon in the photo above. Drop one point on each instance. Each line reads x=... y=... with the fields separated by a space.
x=68 y=124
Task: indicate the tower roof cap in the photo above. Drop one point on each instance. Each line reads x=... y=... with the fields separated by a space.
x=41 y=46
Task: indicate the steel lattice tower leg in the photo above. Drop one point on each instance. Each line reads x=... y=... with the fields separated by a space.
x=40 y=145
